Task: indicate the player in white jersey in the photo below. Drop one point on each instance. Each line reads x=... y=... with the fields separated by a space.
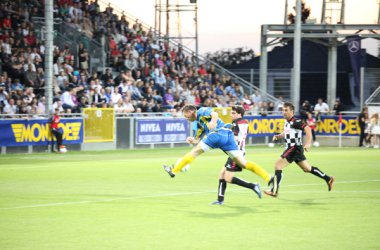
x=239 y=127
x=294 y=151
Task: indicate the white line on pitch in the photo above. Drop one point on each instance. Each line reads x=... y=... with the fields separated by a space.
x=340 y=182
x=336 y=191
x=106 y=200
x=192 y=193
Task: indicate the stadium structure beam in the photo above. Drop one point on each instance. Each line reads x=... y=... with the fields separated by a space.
x=296 y=77
x=343 y=12
x=378 y=17
x=49 y=22
x=323 y=28
x=263 y=60
x=331 y=72
x=286 y=12
x=169 y=8
x=326 y=34
x=275 y=41
x=318 y=35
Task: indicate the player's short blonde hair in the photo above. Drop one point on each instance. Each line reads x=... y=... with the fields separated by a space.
x=189 y=107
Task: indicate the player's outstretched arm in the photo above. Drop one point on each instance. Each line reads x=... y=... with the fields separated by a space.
x=277 y=137
x=192 y=140
x=214 y=120
x=309 y=137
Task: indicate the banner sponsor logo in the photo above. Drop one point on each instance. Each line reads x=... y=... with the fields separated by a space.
x=38 y=132
x=162 y=131
x=41 y=132
x=150 y=127
x=328 y=126
x=177 y=126
x=264 y=126
x=354 y=49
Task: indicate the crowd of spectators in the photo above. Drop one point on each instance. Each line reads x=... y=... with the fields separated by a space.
x=145 y=74
x=369 y=129
x=320 y=108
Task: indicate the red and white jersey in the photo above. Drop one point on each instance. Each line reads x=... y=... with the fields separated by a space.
x=55 y=122
x=240 y=130
x=311 y=123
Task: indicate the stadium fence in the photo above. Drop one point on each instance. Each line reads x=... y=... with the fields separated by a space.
x=101 y=129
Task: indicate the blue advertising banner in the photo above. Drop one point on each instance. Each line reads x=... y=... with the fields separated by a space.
x=264 y=125
x=354 y=49
x=162 y=131
x=329 y=126
x=37 y=132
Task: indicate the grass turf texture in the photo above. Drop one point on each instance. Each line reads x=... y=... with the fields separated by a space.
x=124 y=200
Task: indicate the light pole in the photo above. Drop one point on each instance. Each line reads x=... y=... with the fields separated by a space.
x=196 y=31
x=378 y=18
x=49 y=23
x=296 y=82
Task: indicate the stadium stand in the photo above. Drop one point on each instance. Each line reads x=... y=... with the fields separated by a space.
x=143 y=74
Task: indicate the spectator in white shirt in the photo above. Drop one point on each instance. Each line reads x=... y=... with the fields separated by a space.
x=320 y=108
x=120 y=107
x=41 y=107
x=115 y=96
x=123 y=107
x=62 y=78
x=3 y=96
x=7 y=49
x=160 y=78
x=10 y=108
x=67 y=99
x=57 y=105
x=256 y=97
x=124 y=87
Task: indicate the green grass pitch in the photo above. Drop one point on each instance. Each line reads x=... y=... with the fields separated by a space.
x=124 y=200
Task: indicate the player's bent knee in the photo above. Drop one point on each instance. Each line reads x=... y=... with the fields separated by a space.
x=278 y=167
x=235 y=155
x=228 y=176
x=196 y=151
x=222 y=173
x=240 y=160
x=203 y=147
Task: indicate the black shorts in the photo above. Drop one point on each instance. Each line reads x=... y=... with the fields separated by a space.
x=232 y=166
x=295 y=153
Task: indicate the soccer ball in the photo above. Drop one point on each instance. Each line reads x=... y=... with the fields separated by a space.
x=316 y=144
x=271 y=144
x=63 y=149
x=185 y=168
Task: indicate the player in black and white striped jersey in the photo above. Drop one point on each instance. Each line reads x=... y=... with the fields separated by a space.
x=293 y=129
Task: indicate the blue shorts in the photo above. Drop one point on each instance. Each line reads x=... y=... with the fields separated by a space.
x=222 y=138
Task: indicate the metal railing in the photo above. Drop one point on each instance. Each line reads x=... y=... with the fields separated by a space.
x=371 y=86
x=66 y=35
x=152 y=114
x=278 y=80
x=374 y=98
x=36 y=116
x=126 y=132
